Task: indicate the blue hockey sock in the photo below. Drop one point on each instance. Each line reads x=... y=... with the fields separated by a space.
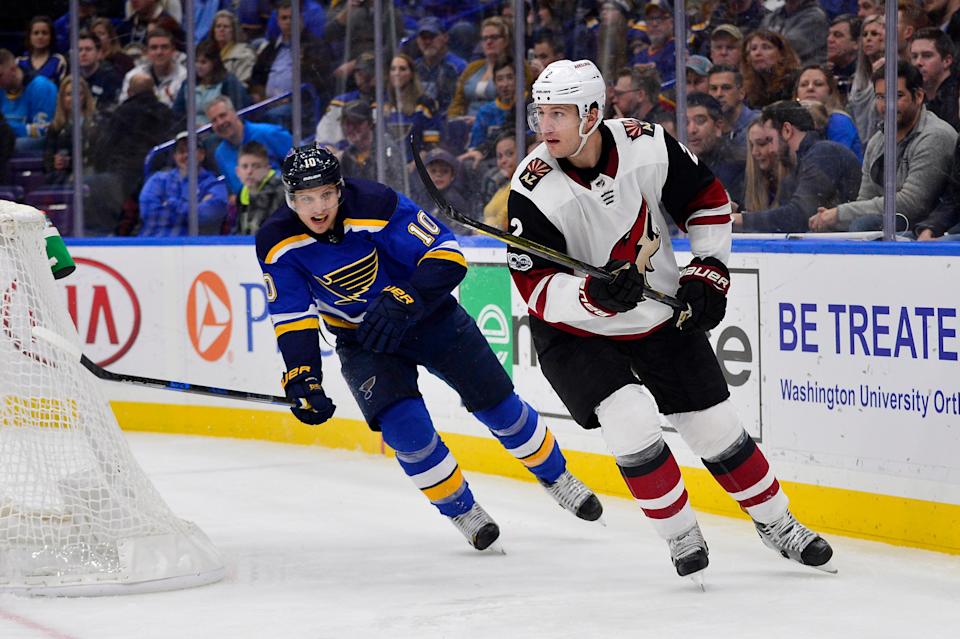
x=407 y=429
x=517 y=425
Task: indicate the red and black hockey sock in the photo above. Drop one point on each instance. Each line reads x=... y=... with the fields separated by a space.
x=746 y=475
x=657 y=485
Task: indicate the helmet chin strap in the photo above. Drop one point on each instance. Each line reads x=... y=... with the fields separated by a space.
x=584 y=136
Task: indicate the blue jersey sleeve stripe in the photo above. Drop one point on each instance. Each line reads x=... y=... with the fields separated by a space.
x=451 y=256
x=361 y=224
x=286 y=245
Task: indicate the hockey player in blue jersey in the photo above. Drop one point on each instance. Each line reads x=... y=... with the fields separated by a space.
x=378 y=271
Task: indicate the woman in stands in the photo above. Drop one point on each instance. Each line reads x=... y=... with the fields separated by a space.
x=212 y=80
x=39 y=58
x=407 y=110
x=476 y=86
x=762 y=178
x=860 y=102
x=769 y=67
x=495 y=208
x=237 y=56
x=58 y=150
x=110 y=45
x=818 y=84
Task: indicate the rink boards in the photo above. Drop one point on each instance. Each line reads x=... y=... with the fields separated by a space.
x=843 y=360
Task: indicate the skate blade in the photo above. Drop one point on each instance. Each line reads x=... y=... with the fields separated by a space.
x=827 y=567
x=496 y=548
x=697 y=578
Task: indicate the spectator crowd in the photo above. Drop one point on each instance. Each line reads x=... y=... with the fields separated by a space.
x=784 y=103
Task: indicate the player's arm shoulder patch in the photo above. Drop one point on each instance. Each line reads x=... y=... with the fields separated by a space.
x=535 y=171
x=636 y=129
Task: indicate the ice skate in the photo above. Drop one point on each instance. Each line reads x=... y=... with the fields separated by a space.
x=573 y=495
x=688 y=550
x=795 y=541
x=477 y=526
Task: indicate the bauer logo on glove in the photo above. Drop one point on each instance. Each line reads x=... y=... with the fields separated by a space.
x=707 y=273
x=399 y=294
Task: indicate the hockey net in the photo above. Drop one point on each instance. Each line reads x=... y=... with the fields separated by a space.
x=78 y=515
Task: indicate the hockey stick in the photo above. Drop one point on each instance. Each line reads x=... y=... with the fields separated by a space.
x=539 y=250
x=59 y=342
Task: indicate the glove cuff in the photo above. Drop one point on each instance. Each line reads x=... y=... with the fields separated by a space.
x=592 y=306
x=708 y=270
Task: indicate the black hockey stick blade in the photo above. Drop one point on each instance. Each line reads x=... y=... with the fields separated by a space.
x=59 y=342
x=515 y=241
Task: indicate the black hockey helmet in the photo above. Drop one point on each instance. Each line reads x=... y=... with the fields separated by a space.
x=308 y=167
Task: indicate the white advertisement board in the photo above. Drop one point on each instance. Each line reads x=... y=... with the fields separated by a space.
x=844 y=367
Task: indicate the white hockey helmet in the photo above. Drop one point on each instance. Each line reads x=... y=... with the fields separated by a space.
x=570 y=82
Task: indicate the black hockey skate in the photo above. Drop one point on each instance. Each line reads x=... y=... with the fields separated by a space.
x=795 y=541
x=689 y=553
x=573 y=495
x=477 y=526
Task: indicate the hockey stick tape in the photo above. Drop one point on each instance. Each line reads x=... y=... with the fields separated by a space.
x=57 y=341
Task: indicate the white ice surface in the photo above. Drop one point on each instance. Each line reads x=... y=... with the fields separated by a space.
x=323 y=543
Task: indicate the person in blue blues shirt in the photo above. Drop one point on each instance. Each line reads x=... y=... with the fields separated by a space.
x=492 y=115
x=662 y=51
x=39 y=57
x=378 y=271
x=27 y=101
x=165 y=198
x=437 y=68
x=234 y=133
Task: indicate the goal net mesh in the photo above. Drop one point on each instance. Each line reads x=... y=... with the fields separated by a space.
x=77 y=513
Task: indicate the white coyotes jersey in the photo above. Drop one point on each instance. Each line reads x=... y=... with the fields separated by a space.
x=614 y=211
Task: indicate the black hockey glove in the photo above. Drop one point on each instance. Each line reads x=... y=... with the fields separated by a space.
x=703 y=289
x=389 y=316
x=303 y=385
x=619 y=295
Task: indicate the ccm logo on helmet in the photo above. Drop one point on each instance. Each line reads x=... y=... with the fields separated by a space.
x=713 y=276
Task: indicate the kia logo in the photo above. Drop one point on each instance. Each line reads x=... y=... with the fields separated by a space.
x=104 y=308
x=209 y=316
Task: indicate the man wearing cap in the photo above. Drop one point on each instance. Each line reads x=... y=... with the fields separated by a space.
x=165 y=197
x=804 y=24
x=437 y=68
x=698 y=70
x=725 y=43
x=364 y=76
x=359 y=159
x=662 y=50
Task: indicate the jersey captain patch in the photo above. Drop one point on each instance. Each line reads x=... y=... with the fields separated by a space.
x=349 y=282
x=637 y=128
x=534 y=172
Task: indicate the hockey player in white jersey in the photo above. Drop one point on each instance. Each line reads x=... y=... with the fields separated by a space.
x=599 y=191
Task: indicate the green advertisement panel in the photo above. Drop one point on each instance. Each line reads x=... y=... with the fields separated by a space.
x=485 y=293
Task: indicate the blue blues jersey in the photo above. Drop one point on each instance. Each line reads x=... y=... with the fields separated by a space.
x=379 y=238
